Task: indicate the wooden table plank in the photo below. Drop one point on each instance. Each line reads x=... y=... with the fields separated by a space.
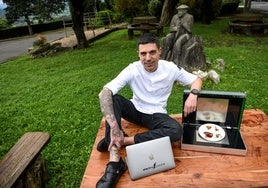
x=198 y=169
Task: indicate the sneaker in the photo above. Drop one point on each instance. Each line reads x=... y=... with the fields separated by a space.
x=113 y=172
x=103 y=146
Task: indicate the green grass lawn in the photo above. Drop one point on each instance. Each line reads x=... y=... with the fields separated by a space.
x=60 y=94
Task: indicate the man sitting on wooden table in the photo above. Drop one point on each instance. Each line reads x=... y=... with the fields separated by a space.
x=151 y=81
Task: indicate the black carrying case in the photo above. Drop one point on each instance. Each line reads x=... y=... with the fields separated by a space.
x=221 y=108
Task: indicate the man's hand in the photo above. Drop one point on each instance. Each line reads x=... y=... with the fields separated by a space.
x=190 y=104
x=117 y=138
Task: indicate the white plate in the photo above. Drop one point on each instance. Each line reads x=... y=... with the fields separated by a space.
x=211 y=132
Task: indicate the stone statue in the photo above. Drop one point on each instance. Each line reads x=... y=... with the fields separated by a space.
x=179 y=44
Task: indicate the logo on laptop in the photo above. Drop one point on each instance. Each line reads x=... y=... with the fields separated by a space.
x=155 y=165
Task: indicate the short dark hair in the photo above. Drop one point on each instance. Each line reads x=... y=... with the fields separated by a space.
x=147 y=38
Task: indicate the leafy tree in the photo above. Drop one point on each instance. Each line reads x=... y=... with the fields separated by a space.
x=130 y=8
x=91 y=5
x=45 y=8
x=30 y=9
x=108 y=4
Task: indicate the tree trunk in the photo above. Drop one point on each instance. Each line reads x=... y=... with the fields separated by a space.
x=77 y=12
x=247 y=5
x=168 y=11
x=206 y=11
x=30 y=28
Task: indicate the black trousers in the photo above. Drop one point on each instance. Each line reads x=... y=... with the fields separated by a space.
x=159 y=124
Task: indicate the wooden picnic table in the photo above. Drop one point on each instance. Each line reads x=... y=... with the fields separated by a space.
x=198 y=169
x=248 y=23
x=144 y=24
x=144 y=19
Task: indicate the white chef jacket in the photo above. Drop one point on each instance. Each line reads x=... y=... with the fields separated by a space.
x=150 y=89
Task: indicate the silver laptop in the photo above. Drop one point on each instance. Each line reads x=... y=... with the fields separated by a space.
x=149 y=157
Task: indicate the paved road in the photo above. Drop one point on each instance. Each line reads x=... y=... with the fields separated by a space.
x=12 y=48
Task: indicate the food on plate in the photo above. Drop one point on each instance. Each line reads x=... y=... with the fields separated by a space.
x=208 y=127
x=211 y=132
x=208 y=134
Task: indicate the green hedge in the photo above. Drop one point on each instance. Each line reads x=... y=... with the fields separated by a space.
x=23 y=30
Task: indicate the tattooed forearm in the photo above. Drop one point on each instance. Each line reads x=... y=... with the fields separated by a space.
x=117 y=136
x=106 y=104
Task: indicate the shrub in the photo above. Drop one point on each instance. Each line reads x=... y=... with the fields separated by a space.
x=3 y=24
x=41 y=40
x=129 y=8
x=105 y=17
x=117 y=17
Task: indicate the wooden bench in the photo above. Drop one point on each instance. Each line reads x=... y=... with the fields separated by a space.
x=248 y=27
x=21 y=157
x=197 y=169
x=144 y=28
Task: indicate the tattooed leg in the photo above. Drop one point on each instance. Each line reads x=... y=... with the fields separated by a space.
x=114 y=154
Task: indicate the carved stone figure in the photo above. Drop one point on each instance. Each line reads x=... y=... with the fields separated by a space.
x=180 y=46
